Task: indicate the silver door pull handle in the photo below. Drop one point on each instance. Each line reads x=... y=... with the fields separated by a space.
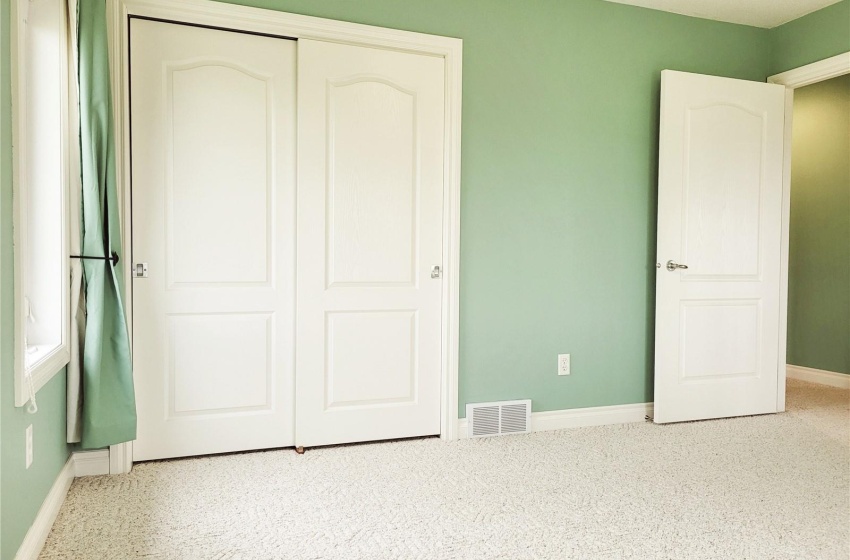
x=671 y=266
x=436 y=271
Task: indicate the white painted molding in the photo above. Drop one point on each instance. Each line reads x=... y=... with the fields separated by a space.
x=121 y=458
x=282 y=24
x=91 y=463
x=784 y=237
x=825 y=69
x=581 y=417
x=819 y=376
x=37 y=535
x=82 y=463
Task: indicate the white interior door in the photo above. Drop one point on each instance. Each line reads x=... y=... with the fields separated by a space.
x=213 y=187
x=719 y=214
x=370 y=192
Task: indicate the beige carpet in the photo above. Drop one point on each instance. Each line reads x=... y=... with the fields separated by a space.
x=760 y=487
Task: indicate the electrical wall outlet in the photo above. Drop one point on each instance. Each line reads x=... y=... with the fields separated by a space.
x=563 y=364
x=29 y=446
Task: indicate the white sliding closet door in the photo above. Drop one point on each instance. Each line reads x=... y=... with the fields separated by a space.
x=213 y=187
x=370 y=199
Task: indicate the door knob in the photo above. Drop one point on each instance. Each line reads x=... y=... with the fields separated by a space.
x=671 y=266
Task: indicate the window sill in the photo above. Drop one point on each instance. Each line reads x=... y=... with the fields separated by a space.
x=42 y=365
x=36 y=354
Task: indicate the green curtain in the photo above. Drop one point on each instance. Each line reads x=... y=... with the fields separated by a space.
x=109 y=404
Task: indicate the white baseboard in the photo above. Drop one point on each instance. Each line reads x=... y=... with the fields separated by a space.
x=580 y=417
x=37 y=535
x=83 y=463
x=819 y=376
x=91 y=463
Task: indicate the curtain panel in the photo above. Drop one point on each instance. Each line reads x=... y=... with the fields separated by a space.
x=103 y=402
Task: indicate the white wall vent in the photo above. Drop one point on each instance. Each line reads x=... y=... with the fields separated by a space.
x=498 y=418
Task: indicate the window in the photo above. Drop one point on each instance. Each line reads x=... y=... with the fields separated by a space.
x=39 y=109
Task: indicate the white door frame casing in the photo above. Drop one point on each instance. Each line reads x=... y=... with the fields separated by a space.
x=813 y=73
x=819 y=71
x=255 y=20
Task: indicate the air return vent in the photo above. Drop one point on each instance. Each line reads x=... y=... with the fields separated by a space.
x=498 y=418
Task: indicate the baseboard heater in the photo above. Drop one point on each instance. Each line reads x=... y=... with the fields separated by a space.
x=498 y=418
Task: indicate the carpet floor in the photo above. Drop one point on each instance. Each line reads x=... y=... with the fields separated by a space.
x=763 y=487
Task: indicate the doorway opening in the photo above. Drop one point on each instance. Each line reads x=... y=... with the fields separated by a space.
x=817 y=219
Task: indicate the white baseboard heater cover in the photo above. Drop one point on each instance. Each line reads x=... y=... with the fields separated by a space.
x=498 y=418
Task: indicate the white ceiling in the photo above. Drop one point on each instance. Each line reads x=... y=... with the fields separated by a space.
x=758 y=13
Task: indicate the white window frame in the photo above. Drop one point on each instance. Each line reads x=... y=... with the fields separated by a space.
x=58 y=357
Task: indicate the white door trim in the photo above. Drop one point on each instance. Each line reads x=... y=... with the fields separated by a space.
x=255 y=20
x=819 y=71
x=798 y=77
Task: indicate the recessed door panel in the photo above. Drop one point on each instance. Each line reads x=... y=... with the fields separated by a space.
x=212 y=179
x=724 y=154
x=229 y=355
x=213 y=187
x=371 y=358
x=372 y=182
x=719 y=338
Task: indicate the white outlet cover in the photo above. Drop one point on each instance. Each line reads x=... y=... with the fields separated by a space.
x=563 y=364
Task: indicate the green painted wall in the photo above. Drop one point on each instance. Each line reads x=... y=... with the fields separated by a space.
x=819 y=261
x=560 y=113
x=21 y=491
x=4 y=164
x=819 y=35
